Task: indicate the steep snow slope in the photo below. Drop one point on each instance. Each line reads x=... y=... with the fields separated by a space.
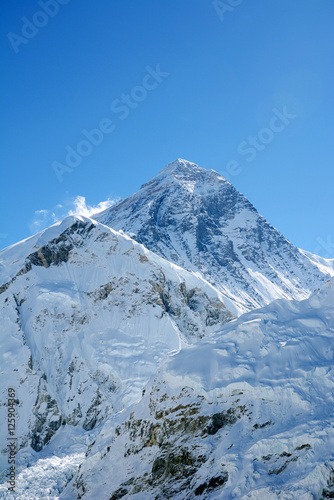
x=325 y=265
x=246 y=415
x=196 y=219
x=87 y=315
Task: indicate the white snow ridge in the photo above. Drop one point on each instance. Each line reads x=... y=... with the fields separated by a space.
x=176 y=347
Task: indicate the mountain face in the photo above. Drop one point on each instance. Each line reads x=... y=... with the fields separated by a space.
x=120 y=338
x=196 y=219
x=245 y=415
x=88 y=314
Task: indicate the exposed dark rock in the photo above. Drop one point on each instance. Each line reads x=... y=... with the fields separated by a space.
x=283 y=467
x=222 y=419
x=305 y=447
x=47 y=419
x=120 y=493
x=212 y=484
x=93 y=413
x=329 y=491
x=262 y=426
x=178 y=463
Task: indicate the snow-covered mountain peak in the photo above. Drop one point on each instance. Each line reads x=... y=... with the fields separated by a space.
x=180 y=165
x=186 y=169
x=187 y=175
x=196 y=219
x=120 y=335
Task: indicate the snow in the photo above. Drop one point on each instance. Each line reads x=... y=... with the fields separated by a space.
x=118 y=331
x=46 y=474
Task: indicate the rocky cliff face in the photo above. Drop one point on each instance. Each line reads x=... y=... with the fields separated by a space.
x=196 y=219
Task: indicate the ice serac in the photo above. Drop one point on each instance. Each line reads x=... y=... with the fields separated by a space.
x=196 y=219
x=245 y=415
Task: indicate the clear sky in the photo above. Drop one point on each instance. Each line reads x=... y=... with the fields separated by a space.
x=245 y=87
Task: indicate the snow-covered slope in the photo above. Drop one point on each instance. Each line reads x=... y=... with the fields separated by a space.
x=246 y=415
x=87 y=315
x=196 y=219
x=326 y=266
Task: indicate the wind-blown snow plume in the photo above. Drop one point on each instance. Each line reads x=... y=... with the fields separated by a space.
x=77 y=206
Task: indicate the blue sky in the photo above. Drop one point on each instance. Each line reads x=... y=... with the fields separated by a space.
x=241 y=86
